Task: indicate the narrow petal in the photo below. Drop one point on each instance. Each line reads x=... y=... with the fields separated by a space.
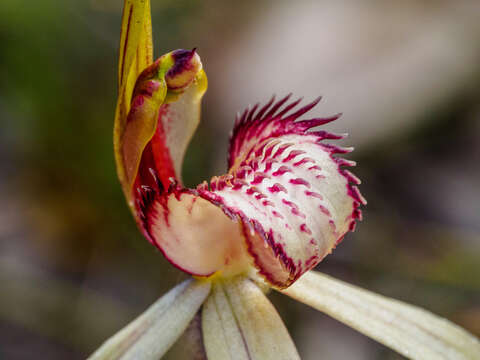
x=222 y=336
x=239 y=323
x=154 y=332
x=409 y=330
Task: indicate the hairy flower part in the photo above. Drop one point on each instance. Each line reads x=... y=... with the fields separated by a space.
x=284 y=204
x=286 y=200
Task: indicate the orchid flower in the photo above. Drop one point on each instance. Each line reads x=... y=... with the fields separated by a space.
x=284 y=204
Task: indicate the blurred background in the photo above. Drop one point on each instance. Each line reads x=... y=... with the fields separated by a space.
x=406 y=75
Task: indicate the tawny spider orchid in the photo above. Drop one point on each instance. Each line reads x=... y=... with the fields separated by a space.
x=284 y=204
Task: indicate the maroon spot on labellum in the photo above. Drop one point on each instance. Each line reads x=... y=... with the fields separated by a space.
x=313 y=194
x=267 y=203
x=238 y=184
x=275 y=188
x=289 y=203
x=252 y=190
x=268 y=164
x=293 y=154
x=320 y=177
x=242 y=172
x=281 y=170
x=313 y=242
x=303 y=161
x=281 y=149
x=293 y=208
x=260 y=196
x=304 y=228
x=300 y=181
x=277 y=214
x=258 y=178
x=315 y=167
x=324 y=210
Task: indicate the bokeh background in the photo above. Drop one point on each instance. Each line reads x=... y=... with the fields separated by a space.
x=406 y=75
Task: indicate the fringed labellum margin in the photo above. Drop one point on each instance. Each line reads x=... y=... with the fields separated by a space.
x=283 y=205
